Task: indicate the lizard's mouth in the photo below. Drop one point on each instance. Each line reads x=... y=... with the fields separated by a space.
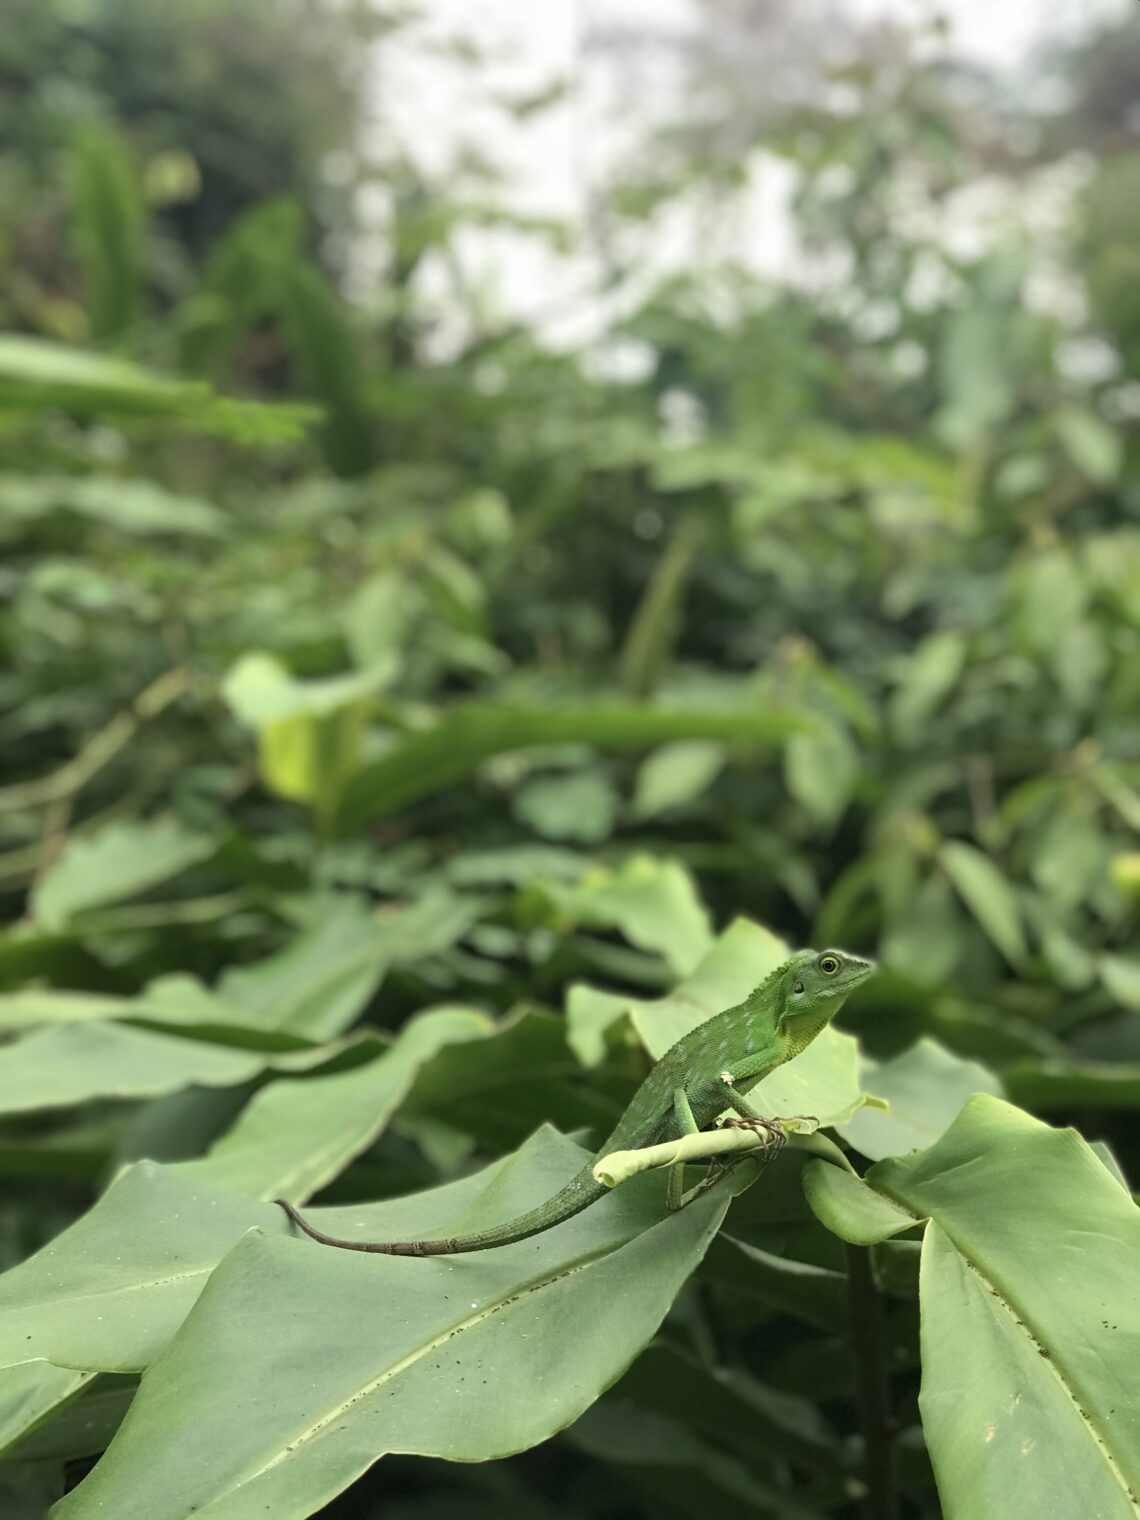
x=857 y=971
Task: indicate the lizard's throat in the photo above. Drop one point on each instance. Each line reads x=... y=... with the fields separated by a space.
x=802 y=1030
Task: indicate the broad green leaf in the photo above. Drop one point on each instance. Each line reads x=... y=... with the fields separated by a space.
x=174 y=1000
x=1095 y=448
x=298 y=1133
x=520 y=1075
x=1121 y=975
x=821 y=768
x=1049 y=597
x=80 y=1426
x=320 y=982
x=822 y=1082
x=850 y=1208
x=676 y=774
x=928 y=677
x=1071 y=964
x=452 y=751
x=923 y=938
x=1069 y=857
x=977 y=379
x=109 y=1292
x=581 y=806
x=1030 y=1317
x=261 y=691
x=27 y=1010
x=654 y=903
x=292 y=1375
x=67 y=1064
x=517 y=865
x=926 y=1086
x=988 y=895
x=323 y=980
x=806 y=1291
x=31 y=1393
x=119 y=861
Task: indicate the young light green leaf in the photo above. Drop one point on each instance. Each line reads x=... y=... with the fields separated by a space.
x=676 y=774
x=310 y=733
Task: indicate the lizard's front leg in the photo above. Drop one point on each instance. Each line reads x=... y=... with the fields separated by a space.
x=751 y=1117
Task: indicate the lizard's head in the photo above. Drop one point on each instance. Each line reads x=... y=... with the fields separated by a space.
x=815 y=986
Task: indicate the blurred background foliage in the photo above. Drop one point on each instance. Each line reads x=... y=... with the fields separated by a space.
x=353 y=632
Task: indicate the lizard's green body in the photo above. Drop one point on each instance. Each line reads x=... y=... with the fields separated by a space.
x=704 y=1073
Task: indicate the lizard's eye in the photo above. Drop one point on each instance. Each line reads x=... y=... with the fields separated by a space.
x=829 y=964
x=798 y=989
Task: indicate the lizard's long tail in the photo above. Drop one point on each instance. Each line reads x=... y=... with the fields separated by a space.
x=578 y=1194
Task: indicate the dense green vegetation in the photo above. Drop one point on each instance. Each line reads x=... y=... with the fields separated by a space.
x=400 y=750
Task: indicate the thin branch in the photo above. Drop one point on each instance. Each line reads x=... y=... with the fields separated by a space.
x=868 y=1346
x=101 y=748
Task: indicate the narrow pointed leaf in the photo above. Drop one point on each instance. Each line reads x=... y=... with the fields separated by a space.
x=76 y=1063
x=298 y=1133
x=423 y=764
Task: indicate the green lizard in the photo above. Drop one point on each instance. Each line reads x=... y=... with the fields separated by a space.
x=706 y=1072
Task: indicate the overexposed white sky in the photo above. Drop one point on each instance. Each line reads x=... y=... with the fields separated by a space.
x=552 y=161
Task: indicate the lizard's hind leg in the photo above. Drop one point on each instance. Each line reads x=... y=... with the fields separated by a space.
x=676 y=1196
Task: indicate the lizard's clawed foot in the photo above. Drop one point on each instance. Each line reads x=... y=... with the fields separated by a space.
x=769 y=1129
